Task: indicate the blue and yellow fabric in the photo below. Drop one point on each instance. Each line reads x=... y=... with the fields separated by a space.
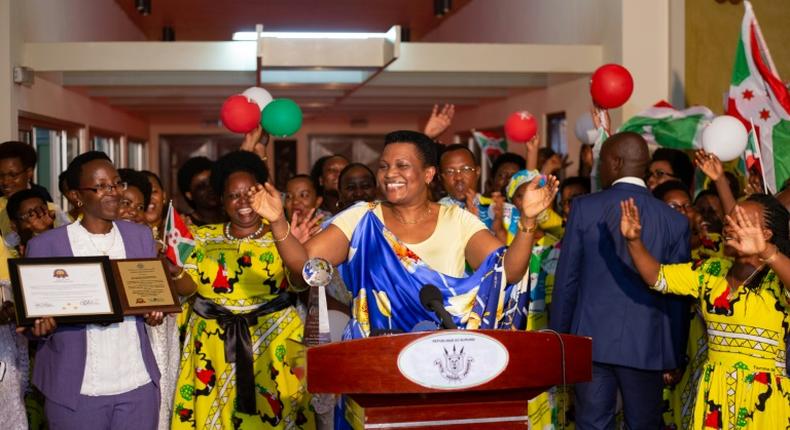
x=385 y=278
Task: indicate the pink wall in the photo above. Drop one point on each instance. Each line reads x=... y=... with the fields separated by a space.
x=326 y=124
x=77 y=21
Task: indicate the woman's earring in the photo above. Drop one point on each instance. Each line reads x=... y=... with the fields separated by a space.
x=79 y=203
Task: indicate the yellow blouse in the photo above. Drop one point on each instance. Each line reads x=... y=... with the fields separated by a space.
x=443 y=251
x=747 y=325
x=235 y=272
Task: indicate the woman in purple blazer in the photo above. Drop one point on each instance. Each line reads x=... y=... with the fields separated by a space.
x=97 y=376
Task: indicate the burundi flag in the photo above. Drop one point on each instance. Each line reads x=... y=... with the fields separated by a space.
x=751 y=157
x=180 y=242
x=491 y=144
x=757 y=92
x=669 y=127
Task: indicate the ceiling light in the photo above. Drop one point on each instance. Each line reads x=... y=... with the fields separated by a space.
x=251 y=35
x=143 y=7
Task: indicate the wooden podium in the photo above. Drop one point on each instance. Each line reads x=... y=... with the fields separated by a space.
x=451 y=379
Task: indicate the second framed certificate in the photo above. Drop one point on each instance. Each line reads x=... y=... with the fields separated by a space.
x=145 y=286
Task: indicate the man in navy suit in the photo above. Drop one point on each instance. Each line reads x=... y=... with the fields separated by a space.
x=636 y=333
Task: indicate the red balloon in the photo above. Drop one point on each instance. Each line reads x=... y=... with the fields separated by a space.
x=240 y=114
x=611 y=86
x=521 y=126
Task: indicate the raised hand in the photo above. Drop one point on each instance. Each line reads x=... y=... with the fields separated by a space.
x=498 y=203
x=255 y=141
x=266 y=201
x=630 y=226
x=251 y=138
x=303 y=228
x=709 y=164
x=536 y=198
x=600 y=117
x=439 y=121
x=470 y=202
x=748 y=237
x=754 y=185
x=533 y=145
x=553 y=164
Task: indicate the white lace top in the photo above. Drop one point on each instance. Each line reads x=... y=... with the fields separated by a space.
x=114 y=360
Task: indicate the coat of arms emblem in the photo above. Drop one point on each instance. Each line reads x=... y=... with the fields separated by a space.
x=454 y=365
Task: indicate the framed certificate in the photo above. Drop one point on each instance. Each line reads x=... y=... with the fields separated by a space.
x=145 y=286
x=73 y=290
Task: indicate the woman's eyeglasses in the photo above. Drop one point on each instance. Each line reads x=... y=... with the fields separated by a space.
x=681 y=208
x=104 y=189
x=659 y=174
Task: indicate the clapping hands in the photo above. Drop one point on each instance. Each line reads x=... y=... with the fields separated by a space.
x=266 y=201
x=536 y=198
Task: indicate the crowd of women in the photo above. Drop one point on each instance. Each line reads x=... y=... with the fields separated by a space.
x=226 y=361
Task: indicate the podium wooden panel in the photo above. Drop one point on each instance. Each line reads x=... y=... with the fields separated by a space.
x=381 y=397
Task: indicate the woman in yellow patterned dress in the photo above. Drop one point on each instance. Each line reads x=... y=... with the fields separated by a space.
x=234 y=366
x=746 y=307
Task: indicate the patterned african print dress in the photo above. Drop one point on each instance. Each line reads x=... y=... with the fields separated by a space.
x=743 y=383
x=679 y=399
x=240 y=276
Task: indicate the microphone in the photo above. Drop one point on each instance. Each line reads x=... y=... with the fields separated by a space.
x=431 y=299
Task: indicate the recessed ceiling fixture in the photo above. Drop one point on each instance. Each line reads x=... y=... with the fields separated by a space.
x=143 y=6
x=251 y=35
x=442 y=7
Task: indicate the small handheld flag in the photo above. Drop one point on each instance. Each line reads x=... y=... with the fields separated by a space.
x=178 y=238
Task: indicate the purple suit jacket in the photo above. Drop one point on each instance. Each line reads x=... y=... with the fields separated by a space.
x=60 y=360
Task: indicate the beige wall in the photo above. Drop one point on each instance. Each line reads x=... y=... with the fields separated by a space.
x=52 y=100
x=712 y=32
x=558 y=97
x=525 y=21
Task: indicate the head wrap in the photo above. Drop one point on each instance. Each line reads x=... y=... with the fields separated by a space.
x=518 y=179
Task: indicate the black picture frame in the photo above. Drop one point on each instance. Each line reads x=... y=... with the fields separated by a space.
x=17 y=287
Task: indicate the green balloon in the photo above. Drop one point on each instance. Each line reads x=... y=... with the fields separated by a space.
x=281 y=117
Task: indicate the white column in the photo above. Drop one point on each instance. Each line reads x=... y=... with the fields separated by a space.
x=645 y=52
x=637 y=36
x=10 y=48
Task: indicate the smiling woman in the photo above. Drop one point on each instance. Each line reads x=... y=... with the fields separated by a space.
x=407 y=241
x=236 y=339
x=76 y=366
x=390 y=250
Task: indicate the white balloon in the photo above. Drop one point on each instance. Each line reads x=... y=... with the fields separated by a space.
x=584 y=125
x=726 y=137
x=260 y=96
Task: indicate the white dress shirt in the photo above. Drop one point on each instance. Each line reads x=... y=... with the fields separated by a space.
x=633 y=180
x=113 y=360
